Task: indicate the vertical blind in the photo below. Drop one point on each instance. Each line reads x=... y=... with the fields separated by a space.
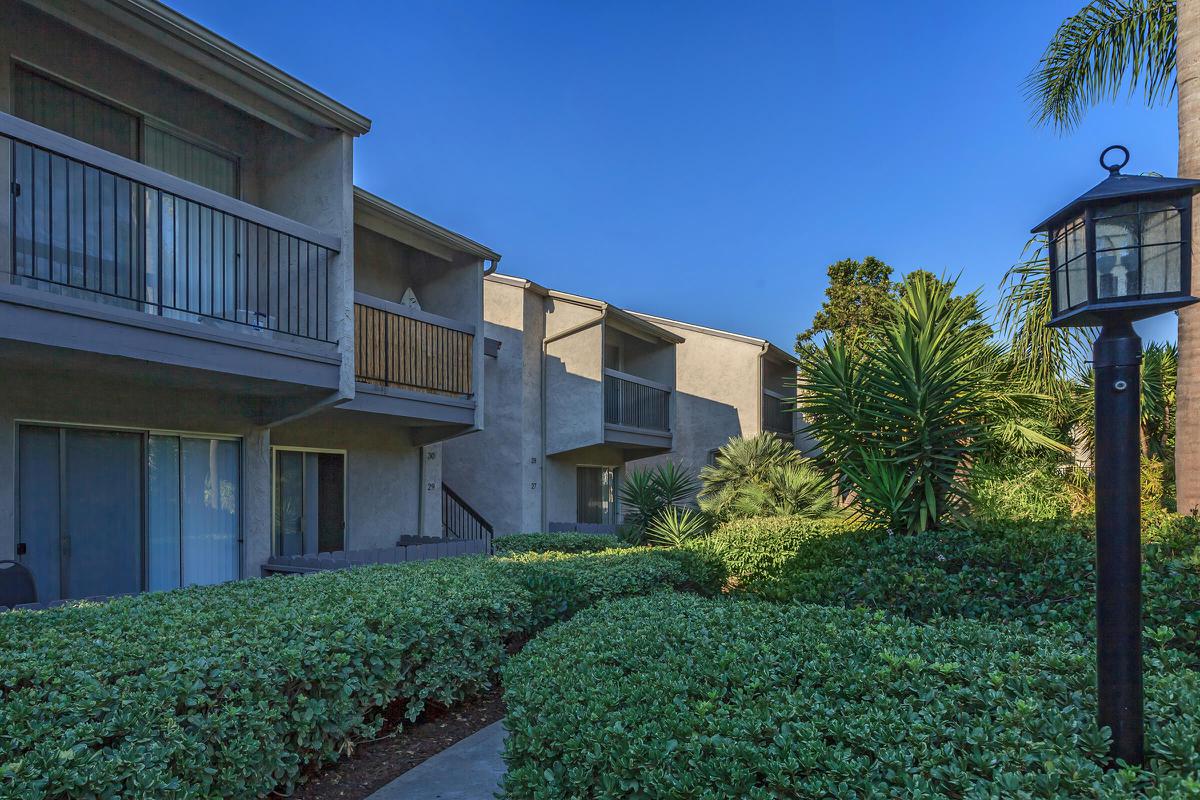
x=194 y=511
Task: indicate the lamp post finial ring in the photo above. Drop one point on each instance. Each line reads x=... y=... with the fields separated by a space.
x=1114 y=169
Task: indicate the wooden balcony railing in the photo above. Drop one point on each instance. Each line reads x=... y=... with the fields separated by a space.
x=409 y=349
x=775 y=416
x=635 y=402
x=102 y=226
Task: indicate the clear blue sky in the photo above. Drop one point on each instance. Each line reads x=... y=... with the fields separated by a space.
x=701 y=160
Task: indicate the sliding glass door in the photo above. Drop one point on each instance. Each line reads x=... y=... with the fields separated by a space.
x=310 y=502
x=104 y=512
x=194 y=511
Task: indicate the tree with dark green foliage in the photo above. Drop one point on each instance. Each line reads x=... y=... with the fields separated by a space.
x=859 y=300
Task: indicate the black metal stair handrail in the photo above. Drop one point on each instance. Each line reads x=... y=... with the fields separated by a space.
x=460 y=521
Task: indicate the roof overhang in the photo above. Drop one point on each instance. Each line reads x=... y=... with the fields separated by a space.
x=634 y=323
x=152 y=32
x=388 y=219
x=769 y=350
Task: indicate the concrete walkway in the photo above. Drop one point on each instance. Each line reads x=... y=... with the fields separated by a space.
x=468 y=770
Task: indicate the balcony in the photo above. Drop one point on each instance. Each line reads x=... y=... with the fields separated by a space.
x=100 y=237
x=636 y=403
x=413 y=363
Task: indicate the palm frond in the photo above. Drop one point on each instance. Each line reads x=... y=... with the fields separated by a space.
x=1095 y=52
x=1040 y=356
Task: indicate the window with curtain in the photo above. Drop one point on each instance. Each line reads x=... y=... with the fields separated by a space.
x=595 y=495
x=194 y=511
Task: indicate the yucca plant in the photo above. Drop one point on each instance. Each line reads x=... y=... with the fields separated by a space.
x=675 y=526
x=647 y=493
x=900 y=423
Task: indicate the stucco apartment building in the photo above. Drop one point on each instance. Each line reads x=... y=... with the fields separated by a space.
x=581 y=390
x=727 y=385
x=213 y=347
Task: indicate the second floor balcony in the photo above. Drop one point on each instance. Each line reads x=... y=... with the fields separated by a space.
x=103 y=255
x=776 y=414
x=92 y=225
x=407 y=349
x=633 y=402
x=609 y=382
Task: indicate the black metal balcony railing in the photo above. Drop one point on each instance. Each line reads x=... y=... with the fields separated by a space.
x=635 y=403
x=775 y=417
x=105 y=234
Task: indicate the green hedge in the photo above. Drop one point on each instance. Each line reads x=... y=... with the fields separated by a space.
x=554 y=543
x=235 y=690
x=1035 y=573
x=678 y=696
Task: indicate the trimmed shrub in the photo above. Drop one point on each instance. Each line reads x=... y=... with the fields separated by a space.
x=554 y=543
x=237 y=689
x=759 y=552
x=1033 y=573
x=677 y=696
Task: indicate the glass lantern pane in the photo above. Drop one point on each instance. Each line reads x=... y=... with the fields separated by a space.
x=1116 y=210
x=1148 y=206
x=1160 y=269
x=1060 y=249
x=1077 y=281
x=1160 y=227
x=1117 y=232
x=1117 y=273
x=1076 y=240
x=1060 y=286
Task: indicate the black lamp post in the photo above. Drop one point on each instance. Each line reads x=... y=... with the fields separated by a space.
x=1120 y=253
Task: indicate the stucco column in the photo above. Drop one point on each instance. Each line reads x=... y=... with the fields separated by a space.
x=430 y=523
x=256 y=503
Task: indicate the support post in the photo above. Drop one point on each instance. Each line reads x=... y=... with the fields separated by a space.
x=1117 y=358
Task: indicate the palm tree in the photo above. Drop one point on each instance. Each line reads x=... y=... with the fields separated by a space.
x=1097 y=51
x=740 y=462
x=1093 y=54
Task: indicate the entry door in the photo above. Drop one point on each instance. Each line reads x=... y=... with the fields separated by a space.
x=80 y=495
x=310 y=508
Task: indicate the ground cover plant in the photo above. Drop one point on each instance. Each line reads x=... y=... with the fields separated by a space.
x=679 y=696
x=237 y=690
x=1035 y=574
x=513 y=543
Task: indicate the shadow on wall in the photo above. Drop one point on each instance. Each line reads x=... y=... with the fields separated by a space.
x=708 y=424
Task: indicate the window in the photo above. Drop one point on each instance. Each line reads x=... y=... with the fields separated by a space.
x=104 y=512
x=51 y=104
x=194 y=511
x=190 y=160
x=310 y=507
x=595 y=495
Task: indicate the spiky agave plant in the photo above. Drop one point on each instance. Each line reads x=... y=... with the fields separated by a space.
x=675 y=526
x=647 y=493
